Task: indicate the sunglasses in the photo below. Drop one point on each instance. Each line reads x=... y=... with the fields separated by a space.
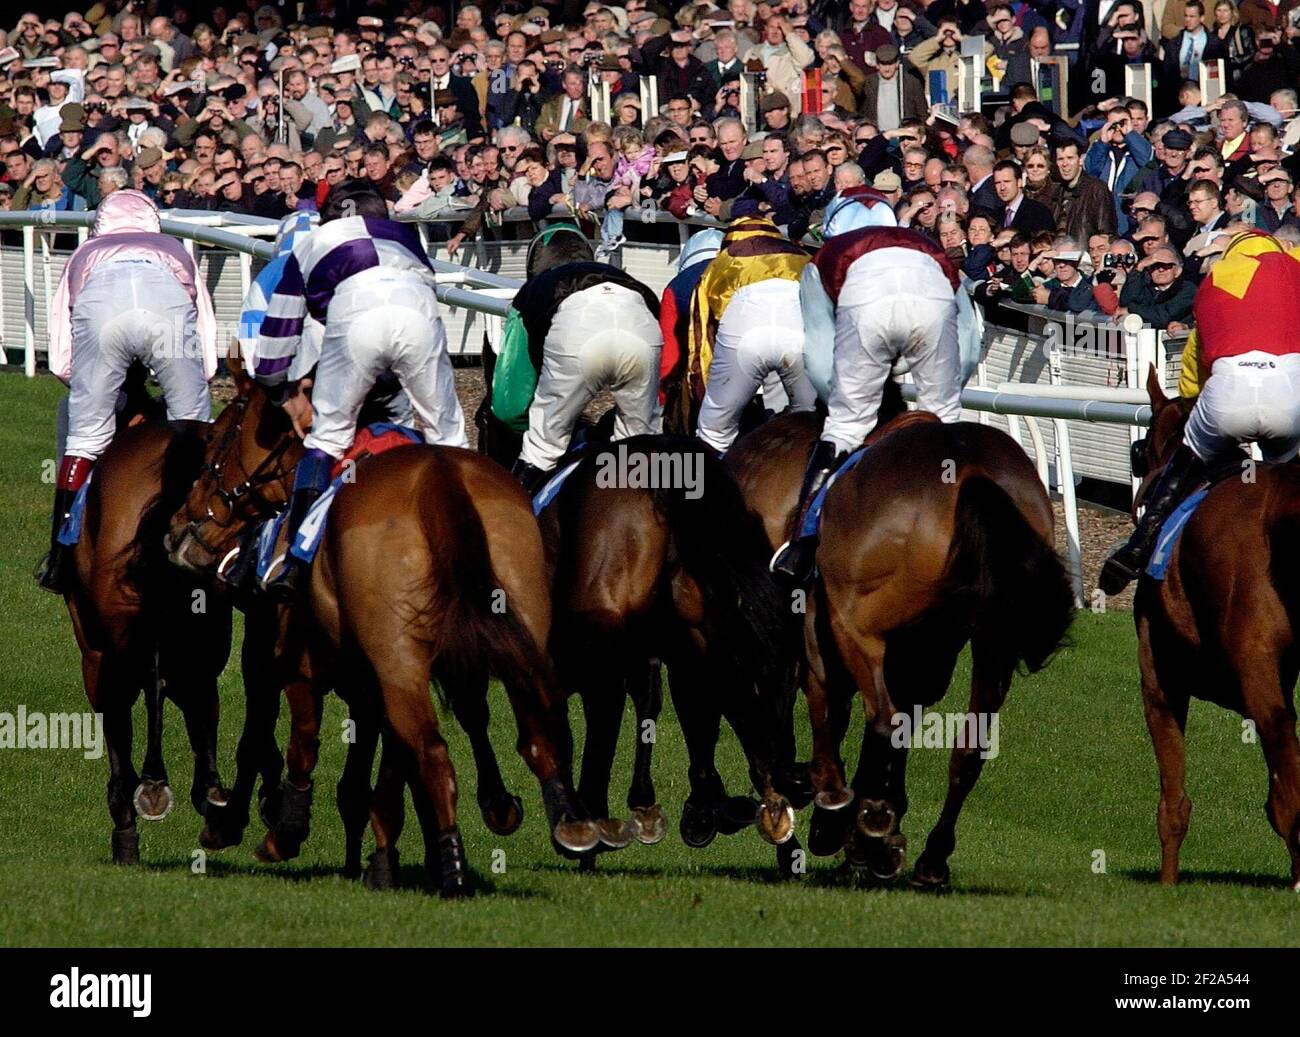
x=1162 y=266
x=1141 y=210
x=1141 y=242
x=862 y=141
x=510 y=147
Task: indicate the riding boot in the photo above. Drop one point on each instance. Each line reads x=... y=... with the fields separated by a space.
x=530 y=476
x=795 y=558
x=1128 y=562
x=311 y=479
x=55 y=569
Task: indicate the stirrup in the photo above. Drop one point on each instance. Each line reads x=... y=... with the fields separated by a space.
x=1119 y=570
x=795 y=559
x=290 y=583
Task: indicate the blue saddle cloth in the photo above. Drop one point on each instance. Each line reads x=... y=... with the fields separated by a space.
x=1173 y=528
x=70 y=531
x=547 y=494
x=812 y=522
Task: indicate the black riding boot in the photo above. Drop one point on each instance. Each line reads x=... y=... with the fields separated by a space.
x=795 y=558
x=290 y=582
x=530 y=476
x=52 y=575
x=1128 y=562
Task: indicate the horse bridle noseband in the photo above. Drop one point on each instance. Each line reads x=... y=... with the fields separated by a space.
x=236 y=498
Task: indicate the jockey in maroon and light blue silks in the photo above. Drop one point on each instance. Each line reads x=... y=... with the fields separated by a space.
x=895 y=297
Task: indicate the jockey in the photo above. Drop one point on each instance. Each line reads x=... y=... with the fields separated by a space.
x=590 y=327
x=369 y=281
x=746 y=323
x=129 y=293
x=894 y=291
x=1248 y=383
x=292 y=373
x=675 y=307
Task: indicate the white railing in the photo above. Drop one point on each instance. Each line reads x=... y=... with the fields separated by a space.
x=1047 y=410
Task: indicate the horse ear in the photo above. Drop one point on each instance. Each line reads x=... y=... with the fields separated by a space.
x=235 y=361
x=1155 y=391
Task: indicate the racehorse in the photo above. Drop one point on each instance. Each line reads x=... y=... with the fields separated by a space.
x=1222 y=626
x=416 y=554
x=643 y=576
x=941 y=535
x=141 y=624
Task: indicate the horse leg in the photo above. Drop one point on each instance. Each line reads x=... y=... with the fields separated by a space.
x=502 y=811
x=414 y=723
x=292 y=819
x=881 y=775
x=257 y=754
x=387 y=816
x=122 y=777
x=353 y=793
x=602 y=705
x=701 y=718
x=153 y=797
x=1275 y=720
x=649 y=823
x=827 y=713
x=990 y=680
x=1166 y=718
x=546 y=744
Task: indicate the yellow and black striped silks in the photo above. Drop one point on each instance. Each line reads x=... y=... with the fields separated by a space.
x=752 y=250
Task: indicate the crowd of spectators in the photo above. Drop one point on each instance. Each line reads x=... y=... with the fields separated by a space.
x=460 y=112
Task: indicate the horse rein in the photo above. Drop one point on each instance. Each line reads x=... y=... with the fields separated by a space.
x=247 y=490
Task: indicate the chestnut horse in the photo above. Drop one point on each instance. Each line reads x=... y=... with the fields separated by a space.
x=941 y=535
x=1222 y=627
x=140 y=624
x=430 y=568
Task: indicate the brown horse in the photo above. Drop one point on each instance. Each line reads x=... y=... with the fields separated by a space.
x=646 y=576
x=940 y=536
x=1222 y=626
x=140 y=624
x=430 y=568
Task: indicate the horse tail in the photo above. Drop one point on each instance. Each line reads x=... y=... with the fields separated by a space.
x=1021 y=593
x=479 y=629
x=721 y=546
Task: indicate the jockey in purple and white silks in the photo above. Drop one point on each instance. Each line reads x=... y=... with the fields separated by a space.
x=369 y=281
x=129 y=293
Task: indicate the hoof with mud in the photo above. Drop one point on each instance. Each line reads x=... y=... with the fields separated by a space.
x=153 y=800
x=775 y=821
x=502 y=814
x=833 y=799
x=876 y=818
x=576 y=836
x=649 y=824
x=615 y=833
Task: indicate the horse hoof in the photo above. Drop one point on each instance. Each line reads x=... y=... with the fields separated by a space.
x=649 y=824
x=219 y=838
x=833 y=799
x=273 y=850
x=153 y=800
x=217 y=797
x=614 y=833
x=126 y=846
x=736 y=813
x=775 y=820
x=882 y=858
x=698 y=826
x=503 y=814
x=457 y=887
x=876 y=818
x=827 y=832
x=930 y=876
x=383 y=871
x=577 y=836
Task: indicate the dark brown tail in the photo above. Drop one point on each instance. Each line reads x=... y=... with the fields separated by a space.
x=481 y=629
x=1022 y=599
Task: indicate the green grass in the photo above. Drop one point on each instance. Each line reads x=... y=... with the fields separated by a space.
x=1075 y=776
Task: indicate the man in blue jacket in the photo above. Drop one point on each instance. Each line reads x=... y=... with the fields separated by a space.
x=1117 y=157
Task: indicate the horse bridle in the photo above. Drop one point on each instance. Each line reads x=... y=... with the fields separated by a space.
x=249 y=489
